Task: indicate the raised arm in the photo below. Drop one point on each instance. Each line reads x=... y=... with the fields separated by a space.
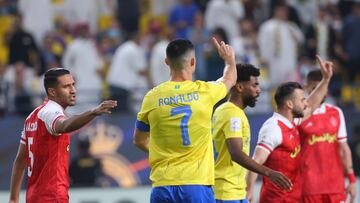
x=318 y=95
x=69 y=124
x=226 y=52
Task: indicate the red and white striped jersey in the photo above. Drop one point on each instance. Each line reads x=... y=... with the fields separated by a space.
x=47 y=155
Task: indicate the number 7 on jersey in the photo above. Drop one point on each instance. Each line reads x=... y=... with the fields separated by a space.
x=186 y=110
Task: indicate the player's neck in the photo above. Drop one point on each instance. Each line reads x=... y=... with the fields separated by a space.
x=286 y=113
x=58 y=102
x=180 y=76
x=237 y=101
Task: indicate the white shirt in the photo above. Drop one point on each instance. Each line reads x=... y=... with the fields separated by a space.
x=224 y=14
x=37 y=17
x=83 y=61
x=128 y=60
x=278 y=43
x=159 y=71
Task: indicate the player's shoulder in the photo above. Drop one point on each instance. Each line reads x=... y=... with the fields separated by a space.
x=50 y=107
x=271 y=123
x=229 y=109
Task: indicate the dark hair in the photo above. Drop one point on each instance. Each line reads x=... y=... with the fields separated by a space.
x=222 y=33
x=51 y=77
x=245 y=71
x=284 y=91
x=314 y=75
x=176 y=49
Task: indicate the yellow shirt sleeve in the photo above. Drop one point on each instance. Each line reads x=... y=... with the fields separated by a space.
x=217 y=90
x=233 y=124
x=142 y=121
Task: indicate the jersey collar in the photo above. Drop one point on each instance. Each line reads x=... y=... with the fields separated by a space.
x=284 y=120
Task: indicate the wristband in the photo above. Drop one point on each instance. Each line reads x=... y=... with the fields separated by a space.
x=352 y=177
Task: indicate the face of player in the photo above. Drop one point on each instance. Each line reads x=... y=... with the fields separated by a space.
x=65 y=91
x=299 y=103
x=251 y=91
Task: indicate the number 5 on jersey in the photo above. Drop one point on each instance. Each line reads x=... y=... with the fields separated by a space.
x=31 y=156
x=186 y=110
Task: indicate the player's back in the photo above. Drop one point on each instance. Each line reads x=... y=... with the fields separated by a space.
x=179 y=117
x=47 y=157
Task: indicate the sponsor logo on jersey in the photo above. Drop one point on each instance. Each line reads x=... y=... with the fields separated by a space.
x=296 y=151
x=323 y=138
x=235 y=124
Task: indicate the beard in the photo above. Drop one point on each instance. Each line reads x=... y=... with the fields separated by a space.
x=298 y=113
x=250 y=101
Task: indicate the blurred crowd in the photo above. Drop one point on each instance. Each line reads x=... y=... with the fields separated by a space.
x=116 y=48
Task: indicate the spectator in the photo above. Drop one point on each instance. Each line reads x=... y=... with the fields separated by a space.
x=38 y=17
x=245 y=45
x=159 y=71
x=320 y=37
x=224 y=14
x=82 y=58
x=23 y=48
x=85 y=170
x=127 y=72
x=214 y=63
x=128 y=15
x=182 y=18
x=199 y=36
x=351 y=41
x=278 y=42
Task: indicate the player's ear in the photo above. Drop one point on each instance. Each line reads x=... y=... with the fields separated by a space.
x=239 y=87
x=51 y=92
x=289 y=104
x=167 y=61
x=192 y=61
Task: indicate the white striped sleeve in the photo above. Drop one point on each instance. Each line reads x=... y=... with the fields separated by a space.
x=23 y=137
x=269 y=137
x=341 y=135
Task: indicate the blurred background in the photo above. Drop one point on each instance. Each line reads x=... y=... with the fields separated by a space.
x=116 y=48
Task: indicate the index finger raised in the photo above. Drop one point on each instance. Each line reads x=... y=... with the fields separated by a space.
x=216 y=43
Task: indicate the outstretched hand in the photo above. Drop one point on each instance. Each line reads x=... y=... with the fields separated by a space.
x=326 y=67
x=225 y=51
x=105 y=107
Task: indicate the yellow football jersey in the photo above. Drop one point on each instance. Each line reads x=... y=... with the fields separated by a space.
x=178 y=116
x=229 y=121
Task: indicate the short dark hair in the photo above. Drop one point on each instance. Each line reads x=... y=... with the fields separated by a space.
x=245 y=71
x=51 y=77
x=314 y=75
x=175 y=51
x=284 y=91
x=178 y=48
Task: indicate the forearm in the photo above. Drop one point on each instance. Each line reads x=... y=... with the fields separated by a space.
x=250 y=164
x=318 y=95
x=143 y=146
x=346 y=159
x=74 y=122
x=230 y=75
x=16 y=180
x=251 y=179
